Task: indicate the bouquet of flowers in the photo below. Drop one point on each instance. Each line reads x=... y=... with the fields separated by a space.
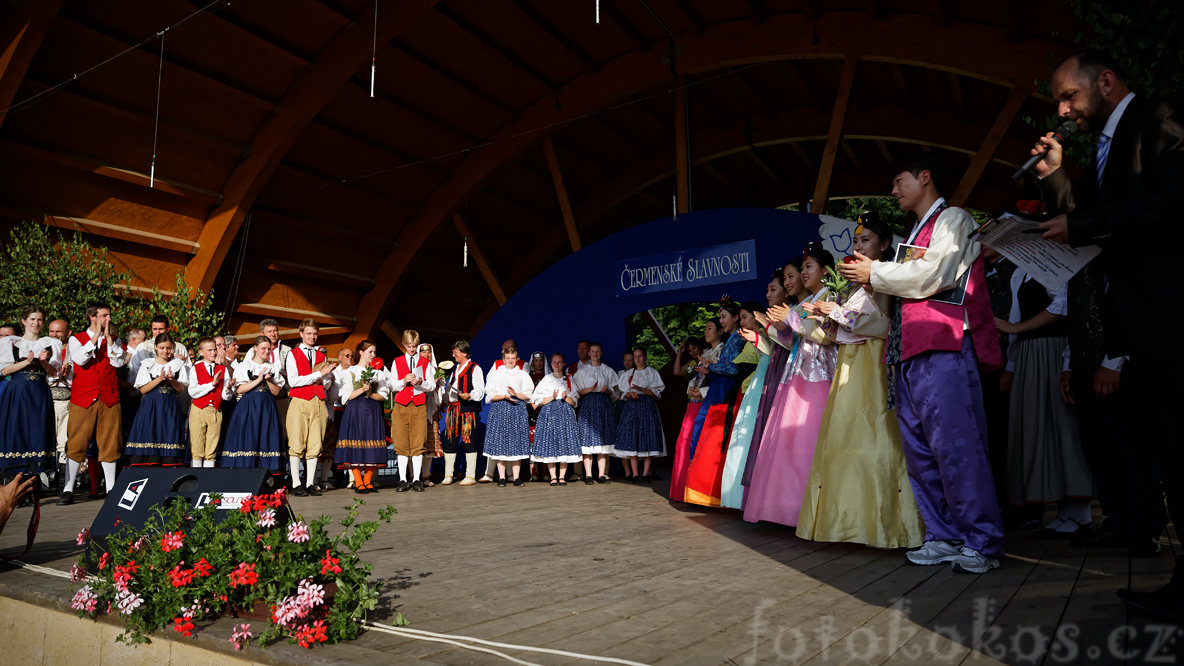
x=443 y=368
x=366 y=379
x=184 y=567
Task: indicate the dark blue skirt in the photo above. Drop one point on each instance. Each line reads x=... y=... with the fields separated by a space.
x=507 y=431
x=556 y=435
x=27 y=436
x=361 y=435
x=597 y=421
x=157 y=436
x=639 y=432
x=253 y=436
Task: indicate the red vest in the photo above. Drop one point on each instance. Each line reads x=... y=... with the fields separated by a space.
x=299 y=355
x=407 y=395
x=94 y=380
x=203 y=377
x=927 y=325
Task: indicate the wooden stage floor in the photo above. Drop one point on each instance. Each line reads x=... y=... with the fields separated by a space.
x=620 y=571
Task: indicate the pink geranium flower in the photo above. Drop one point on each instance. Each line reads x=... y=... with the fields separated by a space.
x=298 y=532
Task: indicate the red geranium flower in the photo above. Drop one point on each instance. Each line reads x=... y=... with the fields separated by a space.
x=244 y=575
x=330 y=564
x=172 y=541
x=203 y=568
x=183 y=625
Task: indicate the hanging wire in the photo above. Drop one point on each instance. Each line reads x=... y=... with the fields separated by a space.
x=374 y=50
x=597 y=12
x=29 y=102
x=237 y=274
x=156 y=123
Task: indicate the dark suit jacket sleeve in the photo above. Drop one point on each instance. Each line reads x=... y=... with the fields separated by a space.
x=1155 y=187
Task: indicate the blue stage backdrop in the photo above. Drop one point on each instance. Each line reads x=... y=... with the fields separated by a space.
x=698 y=257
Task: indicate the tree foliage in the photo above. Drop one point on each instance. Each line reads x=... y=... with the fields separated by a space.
x=63 y=274
x=681 y=321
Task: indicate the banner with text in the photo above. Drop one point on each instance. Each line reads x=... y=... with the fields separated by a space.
x=699 y=267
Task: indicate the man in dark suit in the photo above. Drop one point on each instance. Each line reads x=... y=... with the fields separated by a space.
x=1131 y=196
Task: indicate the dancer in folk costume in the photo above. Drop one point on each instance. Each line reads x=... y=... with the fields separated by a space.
x=253 y=437
x=307 y=372
x=27 y=432
x=639 y=430
x=507 y=436
x=412 y=378
x=464 y=390
x=556 y=437
x=859 y=490
x=432 y=446
x=211 y=383
x=779 y=480
x=595 y=419
x=686 y=359
x=938 y=341
x=361 y=438
x=157 y=435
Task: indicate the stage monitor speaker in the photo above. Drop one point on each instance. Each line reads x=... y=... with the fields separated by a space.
x=139 y=489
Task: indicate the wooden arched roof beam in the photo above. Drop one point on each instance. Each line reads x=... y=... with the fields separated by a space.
x=20 y=37
x=961 y=51
x=335 y=64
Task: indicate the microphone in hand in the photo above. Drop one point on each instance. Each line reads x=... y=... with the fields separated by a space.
x=1061 y=134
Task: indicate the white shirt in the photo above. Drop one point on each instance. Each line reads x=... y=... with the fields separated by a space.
x=151 y=370
x=241 y=375
x=429 y=382
x=647 y=377
x=477 y=383
x=82 y=354
x=596 y=376
x=337 y=385
x=354 y=374
x=147 y=350
x=555 y=387
x=295 y=379
x=1058 y=306
x=197 y=390
x=14 y=349
x=503 y=378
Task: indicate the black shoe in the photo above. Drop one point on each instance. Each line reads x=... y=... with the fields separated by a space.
x=588 y=481
x=1145 y=547
x=101 y=495
x=417 y=486
x=501 y=483
x=299 y=491
x=629 y=478
x=647 y=480
x=402 y=487
x=1166 y=603
x=371 y=489
x=66 y=499
x=518 y=482
x=315 y=491
x=635 y=479
x=360 y=491
x=603 y=479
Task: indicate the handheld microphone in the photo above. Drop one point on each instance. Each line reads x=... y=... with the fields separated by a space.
x=1061 y=133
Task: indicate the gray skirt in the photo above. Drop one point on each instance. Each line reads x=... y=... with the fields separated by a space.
x=1045 y=462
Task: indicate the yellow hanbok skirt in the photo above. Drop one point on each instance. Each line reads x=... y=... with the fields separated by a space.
x=858 y=490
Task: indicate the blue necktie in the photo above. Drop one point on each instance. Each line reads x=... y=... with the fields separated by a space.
x=1103 y=151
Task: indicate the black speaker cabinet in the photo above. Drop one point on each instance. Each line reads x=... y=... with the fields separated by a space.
x=139 y=489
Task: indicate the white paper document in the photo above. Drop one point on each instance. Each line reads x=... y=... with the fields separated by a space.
x=1048 y=262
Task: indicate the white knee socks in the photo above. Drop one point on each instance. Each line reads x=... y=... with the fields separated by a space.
x=471 y=465
x=71 y=475
x=403 y=468
x=310 y=472
x=416 y=467
x=449 y=465
x=294 y=463
x=108 y=474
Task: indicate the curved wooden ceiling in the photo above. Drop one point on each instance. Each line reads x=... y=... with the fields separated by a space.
x=289 y=190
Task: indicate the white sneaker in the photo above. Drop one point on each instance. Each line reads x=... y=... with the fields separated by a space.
x=970 y=560
x=933 y=552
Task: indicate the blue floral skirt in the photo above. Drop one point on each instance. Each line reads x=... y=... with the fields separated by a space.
x=556 y=436
x=639 y=432
x=507 y=431
x=597 y=422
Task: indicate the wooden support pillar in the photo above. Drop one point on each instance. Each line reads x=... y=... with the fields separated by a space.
x=569 y=220
x=834 y=135
x=986 y=151
x=652 y=322
x=682 y=158
x=479 y=257
x=394 y=334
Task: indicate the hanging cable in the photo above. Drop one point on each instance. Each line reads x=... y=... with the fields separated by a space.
x=156 y=122
x=28 y=102
x=237 y=276
x=374 y=50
